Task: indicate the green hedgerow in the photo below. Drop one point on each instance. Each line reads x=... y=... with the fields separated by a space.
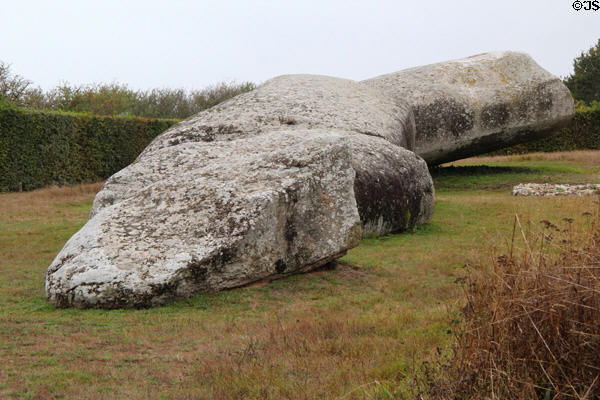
x=53 y=148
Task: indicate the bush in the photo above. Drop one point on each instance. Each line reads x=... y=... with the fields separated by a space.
x=115 y=98
x=583 y=133
x=118 y=99
x=51 y=148
x=532 y=319
x=12 y=87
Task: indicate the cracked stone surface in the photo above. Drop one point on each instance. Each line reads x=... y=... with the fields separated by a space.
x=221 y=215
x=298 y=102
x=478 y=104
x=393 y=186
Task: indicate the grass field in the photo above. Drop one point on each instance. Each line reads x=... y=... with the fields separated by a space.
x=360 y=330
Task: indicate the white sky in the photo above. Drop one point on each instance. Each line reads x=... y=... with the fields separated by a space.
x=192 y=44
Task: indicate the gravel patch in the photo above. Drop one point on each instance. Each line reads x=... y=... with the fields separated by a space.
x=547 y=189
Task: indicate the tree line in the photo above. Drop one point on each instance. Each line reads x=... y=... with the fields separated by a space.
x=119 y=99
x=115 y=98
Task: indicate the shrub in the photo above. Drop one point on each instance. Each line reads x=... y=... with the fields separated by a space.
x=115 y=98
x=532 y=319
x=118 y=99
x=47 y=148
x=12 y=87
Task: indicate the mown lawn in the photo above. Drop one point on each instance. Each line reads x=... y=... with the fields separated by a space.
x=360 y=330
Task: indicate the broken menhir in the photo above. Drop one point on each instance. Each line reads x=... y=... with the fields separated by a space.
x=393 y=187
x=289 y=176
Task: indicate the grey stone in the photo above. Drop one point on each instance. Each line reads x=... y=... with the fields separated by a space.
x=393 y=186
x=478 y=104
x=289 y=176
x=298 y=102
x=211 y=216
x=548 y=189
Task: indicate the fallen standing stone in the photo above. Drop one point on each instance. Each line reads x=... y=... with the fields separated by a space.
x=393 y=187
x=289 y=176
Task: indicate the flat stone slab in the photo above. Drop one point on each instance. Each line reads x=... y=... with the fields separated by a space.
x=547 y=189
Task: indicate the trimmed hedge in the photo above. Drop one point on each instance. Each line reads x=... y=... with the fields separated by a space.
x=49 y=148
x=583 y=133
x=39 y=148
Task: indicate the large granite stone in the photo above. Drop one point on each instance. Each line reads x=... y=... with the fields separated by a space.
x=393 y=186
x=298 y=102
x=289 y=176
x=213 y=216
x=478 y=104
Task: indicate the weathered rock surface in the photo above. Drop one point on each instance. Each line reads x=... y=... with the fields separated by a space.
x=289 y=176
x=478 y=104
x=298 y=102
x=213 y=216
x=263 y=185
x=393 y=187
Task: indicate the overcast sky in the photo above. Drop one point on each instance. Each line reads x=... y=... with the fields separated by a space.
x=192 y=44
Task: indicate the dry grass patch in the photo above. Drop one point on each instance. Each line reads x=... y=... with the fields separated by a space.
x=585 y=158
x=41 y=199
x=532 y=318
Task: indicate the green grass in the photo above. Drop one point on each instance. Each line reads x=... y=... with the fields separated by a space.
x=361 y=329
x=503 y=175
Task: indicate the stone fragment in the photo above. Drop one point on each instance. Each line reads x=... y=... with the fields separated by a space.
x=211 y=216
x=393 y=188
x=478 y=104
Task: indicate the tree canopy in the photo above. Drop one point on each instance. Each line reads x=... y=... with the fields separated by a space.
x=584 y=82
